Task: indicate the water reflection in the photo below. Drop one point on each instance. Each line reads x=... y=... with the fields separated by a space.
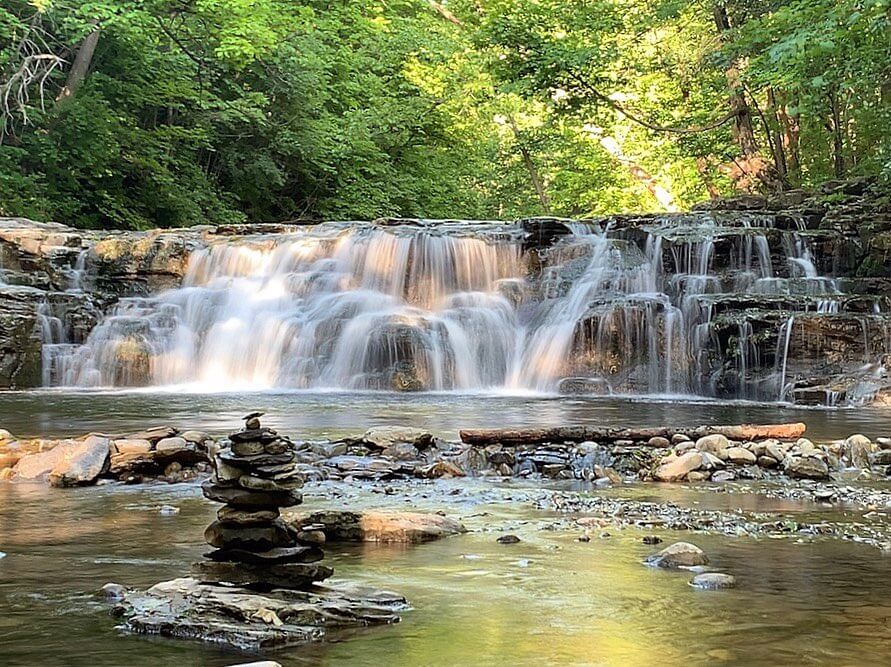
x=321 y=415
x=548 y=599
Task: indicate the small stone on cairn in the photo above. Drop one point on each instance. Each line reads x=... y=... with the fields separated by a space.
x=255 y=476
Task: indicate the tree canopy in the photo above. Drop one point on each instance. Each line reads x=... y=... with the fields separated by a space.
x=144 y=113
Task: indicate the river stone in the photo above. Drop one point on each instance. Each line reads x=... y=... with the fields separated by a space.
x=377 y=526
x=697 y=476
x=857 y=449
x=723 y=476
x=382 y=437
x=684 y=447
x=880 y=458
x=401 y=451
x=278 y=447
x=259 y=537
x=82 y=464
x=113 y=592
x=288 y=575
x=279 y=556
x=883 y=443
x=131 y=446
x=9 y=459
x=679 y=554
x=5 y=435
x=255 y=461
x=250 y=448
x=712 y=462
x=508 y=539
x=238 y=497
x=713 y=581
x=239 y=517
x=767 y=462
x=740 y=455
x=255 y=483
x=713 y=444
x=263 y=435
x=239 y=618
x=678 y=468
x=660 y=442
x=154 y=434
x=805 y=467
x=678 y=438
x=198 y=437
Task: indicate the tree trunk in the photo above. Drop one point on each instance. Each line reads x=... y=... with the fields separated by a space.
x=838 y=140
x=81 y=65
x=537 y=184
x=751 y=163
x=791 y=141
x=776 y=131
x=561 y=434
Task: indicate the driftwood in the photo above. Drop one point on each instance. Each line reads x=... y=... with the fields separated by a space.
x=538 y=436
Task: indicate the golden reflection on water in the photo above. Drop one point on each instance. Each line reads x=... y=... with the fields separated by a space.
x=548 y=600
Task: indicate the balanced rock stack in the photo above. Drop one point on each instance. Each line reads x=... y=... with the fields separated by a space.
x=255 y=476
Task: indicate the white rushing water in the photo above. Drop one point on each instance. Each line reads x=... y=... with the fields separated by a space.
x=436 y=308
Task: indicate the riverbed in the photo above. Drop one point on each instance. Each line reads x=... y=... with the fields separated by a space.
x=800 y=599
x=548 y=599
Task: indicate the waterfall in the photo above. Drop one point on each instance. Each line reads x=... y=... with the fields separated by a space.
x=683 y=304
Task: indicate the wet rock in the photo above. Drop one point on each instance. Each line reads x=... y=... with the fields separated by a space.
x=241 y=517
x=113 y=592
x=805 y=467
x=651 y=539
x=660 y=442
x=253 y=537
x=711 y=581
x=767 y=462
x=679 y=554
x=698 y=476
x=882 y=457
x=677 y=469
x=678 y=438
x=723 y=476
x=243 y=498
x=377 y=526
x=508 y=539
x=246 y=620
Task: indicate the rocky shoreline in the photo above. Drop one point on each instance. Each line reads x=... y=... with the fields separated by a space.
x=701 y=454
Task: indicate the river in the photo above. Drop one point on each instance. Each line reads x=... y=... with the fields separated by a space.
x=548 y=599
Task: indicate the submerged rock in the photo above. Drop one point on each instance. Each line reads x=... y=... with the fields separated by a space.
x=374 y=526
x=679 y=554
x=713 y=581
x=243 y=619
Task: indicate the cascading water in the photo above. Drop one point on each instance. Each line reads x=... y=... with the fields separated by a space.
x=684 y=304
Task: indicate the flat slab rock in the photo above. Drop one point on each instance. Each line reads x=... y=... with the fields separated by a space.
x=187 y=609
x=376 y=526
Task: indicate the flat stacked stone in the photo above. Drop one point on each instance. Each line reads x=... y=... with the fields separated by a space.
x=255 y=476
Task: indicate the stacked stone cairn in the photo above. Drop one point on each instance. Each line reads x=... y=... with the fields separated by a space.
x=255 y=476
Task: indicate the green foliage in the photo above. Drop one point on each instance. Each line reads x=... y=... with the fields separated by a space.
x=211 y=111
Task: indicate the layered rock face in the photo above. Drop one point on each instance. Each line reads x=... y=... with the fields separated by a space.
x=256 y=476
x=779 y=299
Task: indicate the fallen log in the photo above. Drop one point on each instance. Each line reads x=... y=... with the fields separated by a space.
x=560 y=434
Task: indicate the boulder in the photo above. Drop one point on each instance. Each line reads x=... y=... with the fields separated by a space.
x=740 y=455
x=83 y=464
x=679 y=554
x=382 y=437
x=376 y=526
x=69 y=463
x=677 y=469
x=857 y=450
x=805 y=467
x=713 y=444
